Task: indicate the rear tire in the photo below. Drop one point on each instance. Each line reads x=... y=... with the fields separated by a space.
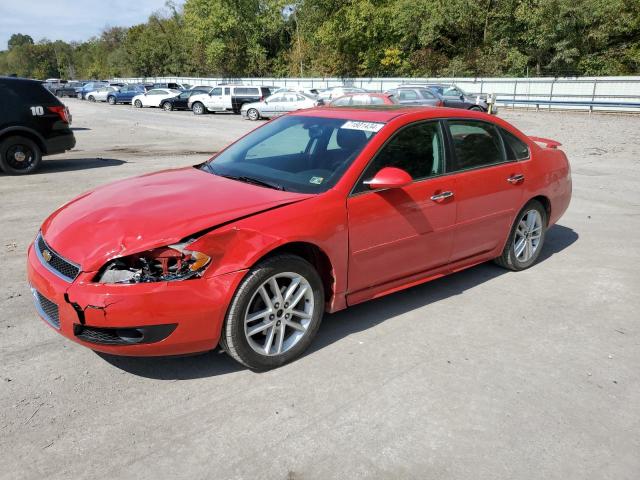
x=291 y=314
x=111 y=100
x=526 y=238
x=198 y=108
x=19 y=156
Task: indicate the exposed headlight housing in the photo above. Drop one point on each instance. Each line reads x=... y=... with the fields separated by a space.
x=164 y=264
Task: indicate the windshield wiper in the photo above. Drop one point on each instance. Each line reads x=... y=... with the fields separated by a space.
x=254 y=181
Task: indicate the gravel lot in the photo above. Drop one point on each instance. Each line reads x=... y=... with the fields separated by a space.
x=486 y=374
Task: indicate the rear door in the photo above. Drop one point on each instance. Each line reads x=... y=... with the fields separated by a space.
x=397 y=233
x=489 y=187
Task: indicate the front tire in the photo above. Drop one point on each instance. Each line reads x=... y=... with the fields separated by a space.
x=476 y=108
x=198 y=108
x=19 y=156
x=526 y=238
x=111 y=100
x=274 y=314
x=137 y=104
x=91 y=98
x=167 y=106
x=253 y=114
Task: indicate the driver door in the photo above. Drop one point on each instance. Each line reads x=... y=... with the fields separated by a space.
x=398 y=233
x=214 y=101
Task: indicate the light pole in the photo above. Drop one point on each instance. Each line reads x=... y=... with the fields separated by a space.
x=289 y=11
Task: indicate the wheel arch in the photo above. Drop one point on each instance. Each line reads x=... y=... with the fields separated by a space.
x=24 y=132
x=546 y=203
x=313 y=254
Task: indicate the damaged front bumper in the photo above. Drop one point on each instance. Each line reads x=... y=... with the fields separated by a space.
x=146 y=319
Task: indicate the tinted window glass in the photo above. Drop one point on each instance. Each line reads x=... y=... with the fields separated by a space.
x=475 y=144
x=216 y=91
x=33 y=92
x=341 y=102
x=417 y=149
x=377 y=101
x=516 y=148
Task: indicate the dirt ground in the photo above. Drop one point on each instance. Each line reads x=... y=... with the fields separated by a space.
x=485 y=374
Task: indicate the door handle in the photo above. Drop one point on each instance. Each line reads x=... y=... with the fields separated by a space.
x=515 y=178
x=439 y=197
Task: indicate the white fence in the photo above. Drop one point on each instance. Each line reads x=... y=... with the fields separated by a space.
x=616 y=90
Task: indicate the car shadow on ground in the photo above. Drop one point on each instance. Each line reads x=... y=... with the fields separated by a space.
x=339 y=325
x=80 y=129
x=71 y=164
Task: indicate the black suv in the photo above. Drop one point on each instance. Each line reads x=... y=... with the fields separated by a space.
x=33 y=123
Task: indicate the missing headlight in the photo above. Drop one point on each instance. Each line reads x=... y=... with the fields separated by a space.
x=163 y=264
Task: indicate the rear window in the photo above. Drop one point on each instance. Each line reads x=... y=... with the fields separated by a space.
x=247 y=91
x=31 y=92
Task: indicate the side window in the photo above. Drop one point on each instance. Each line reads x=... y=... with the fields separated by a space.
x=376 y=101
x=427 y=94
x=408 y=95
x=476 y=144
x=216 y=91
x=227 y=91
x=417 y=149
x=341 y=102
x=516 y=148
x=276 y=98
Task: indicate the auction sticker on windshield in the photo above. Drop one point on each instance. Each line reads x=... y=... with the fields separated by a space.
x=364 y=126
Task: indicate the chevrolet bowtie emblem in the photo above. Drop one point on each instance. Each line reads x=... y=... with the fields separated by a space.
x=46 y=254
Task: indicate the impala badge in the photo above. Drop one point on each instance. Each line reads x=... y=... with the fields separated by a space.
x=46 y=254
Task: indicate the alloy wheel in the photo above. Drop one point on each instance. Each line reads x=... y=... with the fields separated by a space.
x=527 y=236
x=279 y=314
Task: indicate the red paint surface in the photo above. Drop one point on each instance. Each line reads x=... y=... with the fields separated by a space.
x=377 y=242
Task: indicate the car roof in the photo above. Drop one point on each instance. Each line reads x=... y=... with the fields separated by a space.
x=386 y=113
x=20 y=79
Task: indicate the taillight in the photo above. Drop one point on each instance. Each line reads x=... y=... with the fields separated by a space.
x=62 y=112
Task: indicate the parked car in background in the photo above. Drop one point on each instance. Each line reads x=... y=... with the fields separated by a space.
x=416 y=96
x=181 y=102
x=227 y=98
x=363 y=99
x=34 y=123
x=335 y=92
x=310 y=213
x=101 y=94
x=154 y=97
x=313 y=92
x=125 y=94
x=278 y=104
x=68 y=89
x=81 y=92
x=454 y=97
x=171 y=86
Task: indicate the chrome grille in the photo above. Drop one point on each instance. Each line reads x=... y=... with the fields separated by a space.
x=47 y=309
x=62 y=267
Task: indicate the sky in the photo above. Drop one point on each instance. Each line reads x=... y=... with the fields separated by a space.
x=70 y=19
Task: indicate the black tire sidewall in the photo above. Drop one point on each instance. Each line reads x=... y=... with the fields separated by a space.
x=35 y=149
x=233 y=330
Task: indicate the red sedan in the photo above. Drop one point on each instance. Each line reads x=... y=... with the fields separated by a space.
x=310 y=213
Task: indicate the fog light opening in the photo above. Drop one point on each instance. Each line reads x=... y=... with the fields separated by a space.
x=130 y=335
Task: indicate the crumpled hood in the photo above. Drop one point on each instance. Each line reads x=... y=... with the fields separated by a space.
x=153 y=210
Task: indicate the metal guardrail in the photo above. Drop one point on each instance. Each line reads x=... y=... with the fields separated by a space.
x=568 y=103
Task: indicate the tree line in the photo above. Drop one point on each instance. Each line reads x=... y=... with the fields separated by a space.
x=350 y=38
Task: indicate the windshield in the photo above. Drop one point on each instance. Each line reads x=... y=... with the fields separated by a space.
x=295 y=153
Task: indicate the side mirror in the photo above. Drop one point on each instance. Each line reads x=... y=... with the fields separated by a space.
x=389 y=177
x=461 y=97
